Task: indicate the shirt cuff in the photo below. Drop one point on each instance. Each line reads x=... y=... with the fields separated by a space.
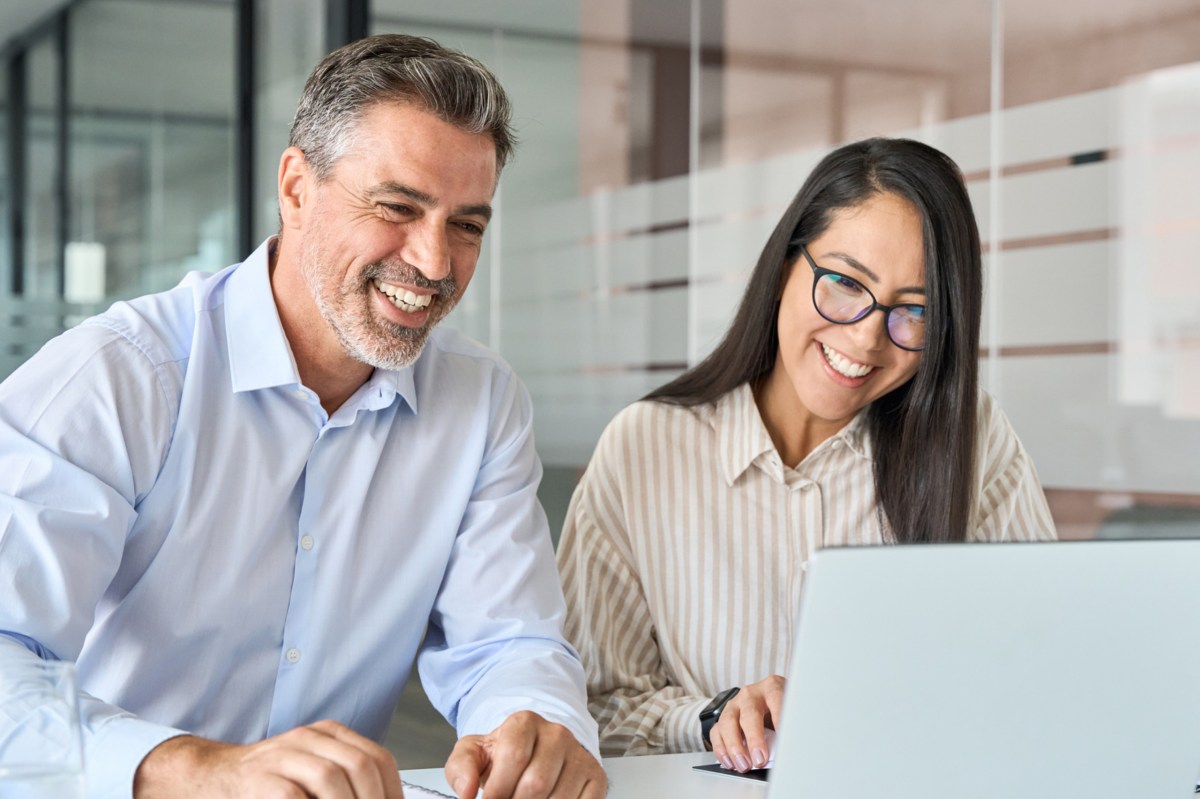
x=114 y=751
x=681 y=725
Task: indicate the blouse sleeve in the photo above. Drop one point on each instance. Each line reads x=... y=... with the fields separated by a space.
x=1012 y=505
x=638 y=706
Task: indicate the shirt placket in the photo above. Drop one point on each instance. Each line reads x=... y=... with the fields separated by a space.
x=296 y=647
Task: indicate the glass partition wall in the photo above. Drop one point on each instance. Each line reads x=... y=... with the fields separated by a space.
x=660 y=141
x=663 y=138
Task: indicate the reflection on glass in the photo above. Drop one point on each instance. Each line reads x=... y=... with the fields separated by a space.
x=5 y=196
x=292 y=42
x=41 y=200
x=152 y=116
x=618 y=252
x=1102 y=155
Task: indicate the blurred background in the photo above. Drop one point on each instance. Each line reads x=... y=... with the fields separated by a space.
x=661 y=139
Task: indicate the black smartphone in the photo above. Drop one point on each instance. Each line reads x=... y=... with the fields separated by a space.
x=759 y=774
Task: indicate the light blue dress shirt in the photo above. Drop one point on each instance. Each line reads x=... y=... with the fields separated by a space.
x=180 y=516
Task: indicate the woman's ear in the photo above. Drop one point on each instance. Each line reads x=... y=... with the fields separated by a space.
x=295 y=185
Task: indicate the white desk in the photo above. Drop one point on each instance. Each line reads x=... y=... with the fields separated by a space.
x=648 y=777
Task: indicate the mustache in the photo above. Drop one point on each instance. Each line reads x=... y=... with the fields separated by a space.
x=400 y=272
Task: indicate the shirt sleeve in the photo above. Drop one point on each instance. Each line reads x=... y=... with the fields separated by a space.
x=82 y=427
x=495 y=642
x=639 y=707
x=1011 y=503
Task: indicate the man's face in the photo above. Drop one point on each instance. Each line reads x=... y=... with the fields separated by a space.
x=395 y=230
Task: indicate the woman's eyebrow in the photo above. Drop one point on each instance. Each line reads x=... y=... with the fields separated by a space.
x=854 y=263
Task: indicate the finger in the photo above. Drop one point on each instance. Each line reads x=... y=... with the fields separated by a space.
x=775 y=709
x=720 y=750
x=731 y=737
x=751 y=720
x=358 y=769
x=380 y=759
x=596 y=786
x=547 y=773
x=466 y=766
x=511 y=750
x=319 y=777
x=582 y=777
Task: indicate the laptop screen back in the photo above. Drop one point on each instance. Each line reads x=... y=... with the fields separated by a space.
x=995 y=670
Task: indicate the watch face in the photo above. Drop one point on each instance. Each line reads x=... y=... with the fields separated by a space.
x=713 y=708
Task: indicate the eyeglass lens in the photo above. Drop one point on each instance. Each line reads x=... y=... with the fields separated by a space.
x=844 y=300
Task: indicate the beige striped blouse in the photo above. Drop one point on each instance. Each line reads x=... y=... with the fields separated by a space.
x=686 y=543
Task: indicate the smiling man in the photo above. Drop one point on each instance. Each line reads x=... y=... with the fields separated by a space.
x=245 y=504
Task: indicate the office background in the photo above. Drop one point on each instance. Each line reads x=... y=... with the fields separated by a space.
x=661 y=139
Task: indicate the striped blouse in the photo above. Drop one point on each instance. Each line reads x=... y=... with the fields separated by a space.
x=686 y=543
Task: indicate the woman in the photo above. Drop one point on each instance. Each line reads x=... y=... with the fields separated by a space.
x=842 y=407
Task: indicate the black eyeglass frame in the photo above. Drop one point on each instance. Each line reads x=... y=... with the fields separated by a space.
x=820 y=272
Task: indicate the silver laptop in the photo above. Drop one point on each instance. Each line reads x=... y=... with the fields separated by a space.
x=1026 y=671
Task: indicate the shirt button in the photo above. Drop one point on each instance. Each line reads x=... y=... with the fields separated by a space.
x=300 y=394
x=306 y=543
x=836 y=445
x=293 y=655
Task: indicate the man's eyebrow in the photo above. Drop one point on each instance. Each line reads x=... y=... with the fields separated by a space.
x=854 y=263
x=428 y=200
x=390 y=187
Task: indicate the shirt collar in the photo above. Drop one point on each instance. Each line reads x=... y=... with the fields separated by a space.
x=259 y=353
x=744 y=438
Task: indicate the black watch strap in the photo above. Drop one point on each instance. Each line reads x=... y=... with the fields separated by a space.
x=712 y=712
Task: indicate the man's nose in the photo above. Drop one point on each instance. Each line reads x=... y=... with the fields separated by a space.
x=425 y=247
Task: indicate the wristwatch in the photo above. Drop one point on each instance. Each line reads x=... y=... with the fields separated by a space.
x=712 y=712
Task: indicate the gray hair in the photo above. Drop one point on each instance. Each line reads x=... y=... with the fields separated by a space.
x=396 y=68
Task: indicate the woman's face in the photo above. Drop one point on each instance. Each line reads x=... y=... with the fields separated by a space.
x=835 y=370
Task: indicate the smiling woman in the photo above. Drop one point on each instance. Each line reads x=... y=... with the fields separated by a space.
x=841 y=408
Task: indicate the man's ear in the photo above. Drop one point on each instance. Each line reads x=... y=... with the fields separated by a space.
x=296 y=184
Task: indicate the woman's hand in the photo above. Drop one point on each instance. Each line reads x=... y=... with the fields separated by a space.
x=738 y=738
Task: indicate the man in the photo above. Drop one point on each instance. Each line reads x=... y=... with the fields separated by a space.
x=242 y=505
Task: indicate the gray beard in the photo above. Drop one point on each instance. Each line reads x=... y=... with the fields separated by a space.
x=372 y=341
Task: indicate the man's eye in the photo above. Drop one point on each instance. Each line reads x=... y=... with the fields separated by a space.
x=472 y=228
x=403 y=210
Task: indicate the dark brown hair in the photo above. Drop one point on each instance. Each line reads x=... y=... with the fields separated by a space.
x=923 y=432
x=452 y=86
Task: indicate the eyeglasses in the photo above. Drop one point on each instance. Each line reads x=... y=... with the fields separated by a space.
x=843 y=300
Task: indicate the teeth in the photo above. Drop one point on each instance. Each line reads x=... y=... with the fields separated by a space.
x=404 y=299
x=844 y=366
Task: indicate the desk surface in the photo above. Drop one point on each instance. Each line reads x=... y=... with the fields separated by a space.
x=647 y=777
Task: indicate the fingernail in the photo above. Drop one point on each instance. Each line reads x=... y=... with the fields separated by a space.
x=459 y=785
x=726 y=763
x=760 y=759
x=742 y=763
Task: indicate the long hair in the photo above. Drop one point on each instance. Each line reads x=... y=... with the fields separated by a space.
x=923 y=432
x=452 y=86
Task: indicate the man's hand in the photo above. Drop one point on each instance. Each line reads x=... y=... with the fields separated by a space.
x=526 y=757
x=325 y=760
x=738 y=740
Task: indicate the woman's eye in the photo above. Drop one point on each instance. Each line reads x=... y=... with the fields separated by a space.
x=845 y=284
